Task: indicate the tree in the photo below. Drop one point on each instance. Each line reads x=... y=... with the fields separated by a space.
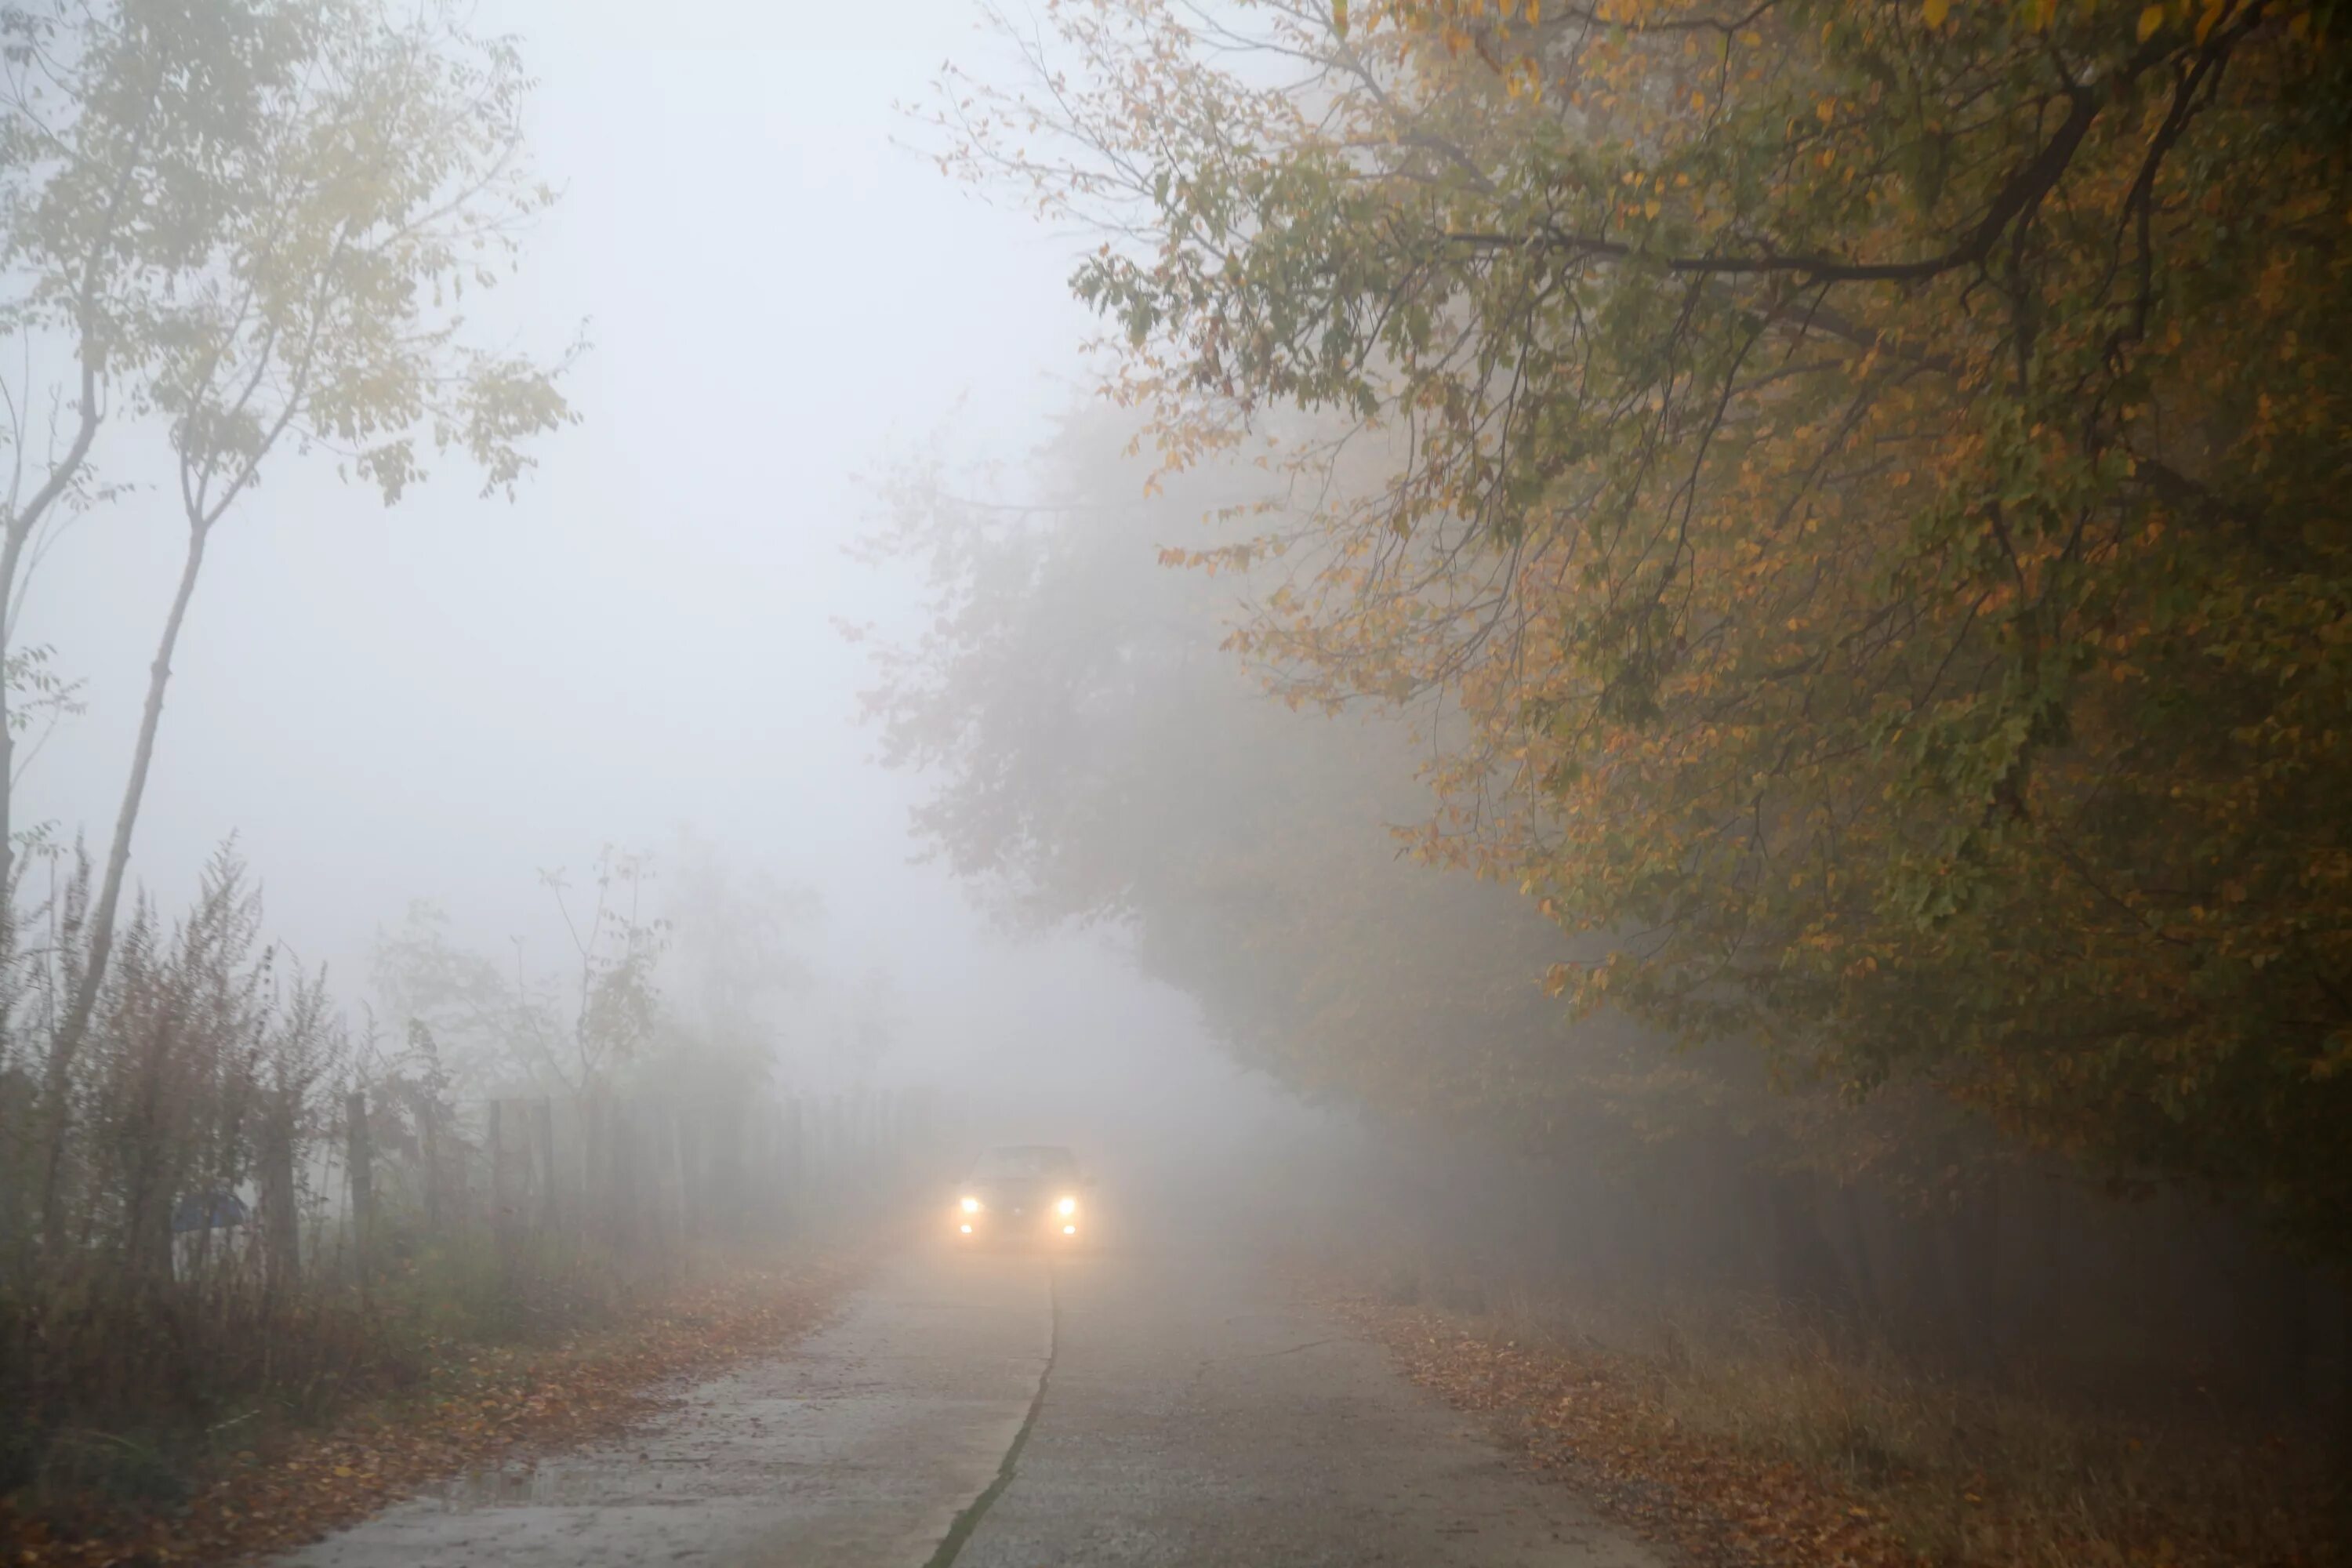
x=41 y=699
x=1095 y=759
x=465 y=1017
x=1092 y=758
x=115 y=126
x=872 y=1025
x=322 y=182
x=736 y=969
x=576 y=1026
x=614 y=1008
x=1865 y=476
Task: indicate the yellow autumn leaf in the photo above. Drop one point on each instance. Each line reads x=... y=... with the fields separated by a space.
x=1936 y=11
x=2151 y=19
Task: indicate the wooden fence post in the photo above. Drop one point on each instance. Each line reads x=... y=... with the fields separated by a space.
x=677 y=1188
x=621 y=1176
x=725 y=1164
x=359 y=1157
x=595 y=1162
x=669 y=1198
x=756 y=1202
x=689 y=1165
x=789 y=1181
x=428 y=1138
x=502 y=1182
x=543 y=1128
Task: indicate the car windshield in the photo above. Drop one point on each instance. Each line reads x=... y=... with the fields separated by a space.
x=1026 y=1162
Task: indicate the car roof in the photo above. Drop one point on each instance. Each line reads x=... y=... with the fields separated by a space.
x=1029 y=1159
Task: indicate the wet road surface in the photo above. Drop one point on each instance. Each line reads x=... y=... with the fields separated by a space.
x=1157 y=1405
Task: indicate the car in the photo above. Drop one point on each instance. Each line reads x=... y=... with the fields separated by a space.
x=1023 y=1192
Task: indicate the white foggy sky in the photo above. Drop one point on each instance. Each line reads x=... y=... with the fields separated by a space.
x=435 y=700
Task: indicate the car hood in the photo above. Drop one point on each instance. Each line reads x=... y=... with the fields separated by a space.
x=1021 y=1195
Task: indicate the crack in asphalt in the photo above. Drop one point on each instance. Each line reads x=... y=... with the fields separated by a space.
x=953 y=1543
x=1294 y=1349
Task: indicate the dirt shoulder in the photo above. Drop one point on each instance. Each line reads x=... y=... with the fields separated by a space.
x=1757 y=1462
x=1581 y=1420
x=479 y=1406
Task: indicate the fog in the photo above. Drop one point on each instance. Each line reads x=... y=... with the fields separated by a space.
x=790 y=334
x=1625 y=746
x=438 y=700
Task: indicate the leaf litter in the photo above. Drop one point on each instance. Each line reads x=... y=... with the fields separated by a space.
x=1585 y=1422
x=1593 y=1420
x=482 y=1408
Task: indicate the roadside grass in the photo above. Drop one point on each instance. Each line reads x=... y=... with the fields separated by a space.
x=115 y=1401
x=459 y=1358
x=1749 y=1433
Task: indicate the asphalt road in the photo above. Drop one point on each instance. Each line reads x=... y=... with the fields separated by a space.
x=1158 y=1402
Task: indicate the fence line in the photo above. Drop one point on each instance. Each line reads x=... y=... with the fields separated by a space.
x=630 y=1172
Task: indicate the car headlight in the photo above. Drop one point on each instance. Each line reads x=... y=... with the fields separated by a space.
x=1067 y=1207
x=972 y=1205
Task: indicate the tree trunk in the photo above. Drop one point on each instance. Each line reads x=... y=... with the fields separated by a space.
x=280 y=1225
x=2333 y=1389
x=12 y=551
x=150 y=1187
x=110 y=895
x=1804 y=1266
x=1851 y=1244
x=20 y=532
x=1972 y=1238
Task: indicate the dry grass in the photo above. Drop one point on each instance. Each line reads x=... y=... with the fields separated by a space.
x=1951 y=1472
x=266 y=1482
